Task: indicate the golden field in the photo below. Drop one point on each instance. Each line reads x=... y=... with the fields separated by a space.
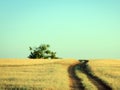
x=41 y=74
x=108 y=71
x=35 y=74
x=85 y=81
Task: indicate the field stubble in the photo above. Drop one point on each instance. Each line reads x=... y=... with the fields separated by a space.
x=108 y=71
x=34 y=74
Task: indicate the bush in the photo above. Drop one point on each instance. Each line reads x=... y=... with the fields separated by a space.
x=42 y=52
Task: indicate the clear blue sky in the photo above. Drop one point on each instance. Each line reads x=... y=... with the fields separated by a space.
x=73 y=28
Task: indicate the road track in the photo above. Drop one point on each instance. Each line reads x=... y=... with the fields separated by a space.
x=76 y=81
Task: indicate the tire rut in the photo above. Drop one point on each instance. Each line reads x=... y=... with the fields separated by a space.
x=94 y=79
x=75 y=81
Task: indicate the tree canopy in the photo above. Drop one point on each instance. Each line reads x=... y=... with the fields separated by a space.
x=42 y=52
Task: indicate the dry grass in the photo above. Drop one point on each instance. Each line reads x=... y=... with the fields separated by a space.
x=34 y=74
x=85 y=81
x=26 y=74
x=108 y=71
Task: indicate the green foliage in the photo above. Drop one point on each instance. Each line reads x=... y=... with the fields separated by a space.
x=42 y=52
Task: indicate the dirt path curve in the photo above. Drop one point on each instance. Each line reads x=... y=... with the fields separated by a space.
x=94 y=79
x=98 y=84
x=75 y=81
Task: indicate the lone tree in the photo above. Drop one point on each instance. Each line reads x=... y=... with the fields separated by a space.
x=42 y=52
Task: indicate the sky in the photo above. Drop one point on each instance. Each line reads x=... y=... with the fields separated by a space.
x=80 y=29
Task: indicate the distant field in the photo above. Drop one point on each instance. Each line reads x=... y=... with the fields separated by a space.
x=34 y=74
x=60 y=74
x=108 y=71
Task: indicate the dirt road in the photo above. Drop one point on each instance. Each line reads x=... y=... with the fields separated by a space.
x=76 y=83
x=94 y=79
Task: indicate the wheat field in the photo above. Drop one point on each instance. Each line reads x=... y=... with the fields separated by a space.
x=85 y=81
x=34 y=74
x=108 y=71
x=41 y=74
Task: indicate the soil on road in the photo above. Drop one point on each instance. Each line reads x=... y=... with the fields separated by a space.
x=76 y=83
